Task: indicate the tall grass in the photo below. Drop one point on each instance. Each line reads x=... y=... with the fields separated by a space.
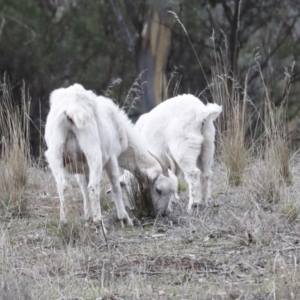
x=274 y=154
x=241 y=146
x=15 y=150
x=248 y=130
x=226 y=89
x=232 y=124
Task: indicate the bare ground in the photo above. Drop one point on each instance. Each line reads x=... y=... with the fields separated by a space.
x=239 y=246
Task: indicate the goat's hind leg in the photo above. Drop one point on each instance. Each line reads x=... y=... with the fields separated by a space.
x=186 y=155
x=82 y=181
x=54 y=158
x=205 y=162
x=90 y=145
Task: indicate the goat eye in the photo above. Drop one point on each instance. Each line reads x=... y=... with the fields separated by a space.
x=158 y=191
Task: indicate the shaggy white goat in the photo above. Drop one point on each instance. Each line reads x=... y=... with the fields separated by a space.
x=182 y=127
x=86 y=134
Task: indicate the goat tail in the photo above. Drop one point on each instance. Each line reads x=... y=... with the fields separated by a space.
x=76 y=116
x=213 y=110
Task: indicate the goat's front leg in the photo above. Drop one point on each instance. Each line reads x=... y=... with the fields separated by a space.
x=95 y=175
x=61 y=184
x=112 y=170
x=186 y=155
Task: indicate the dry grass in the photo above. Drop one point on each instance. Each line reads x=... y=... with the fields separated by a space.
x=232 y=149
x=139 y=195
x=15 y=151
x=240 y=141
x=234 y=120
x=237 y=248
x=273 y=172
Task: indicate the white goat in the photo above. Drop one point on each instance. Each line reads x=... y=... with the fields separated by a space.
x=86 y=134
x=182 y=127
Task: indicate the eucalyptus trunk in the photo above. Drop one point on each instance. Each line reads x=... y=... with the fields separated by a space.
x=152 y=51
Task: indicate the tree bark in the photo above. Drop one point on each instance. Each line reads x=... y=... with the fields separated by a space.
x=150 y=52
x=151 y=57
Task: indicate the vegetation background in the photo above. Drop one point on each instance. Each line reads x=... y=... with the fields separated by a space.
x=244 y=244
x=106 y=45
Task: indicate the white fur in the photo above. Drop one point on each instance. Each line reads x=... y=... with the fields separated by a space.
x=183 y=128
x=86 y=134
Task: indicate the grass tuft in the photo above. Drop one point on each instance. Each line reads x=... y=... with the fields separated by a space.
x=138 y=193
x=15 y=151
x=289 y=209
x=233 y=152
x=70 y=233
x=274 y=170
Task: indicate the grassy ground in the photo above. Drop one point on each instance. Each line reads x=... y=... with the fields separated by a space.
x=240 y=246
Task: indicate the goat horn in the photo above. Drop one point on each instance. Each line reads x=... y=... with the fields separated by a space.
x=172 y=164
x=164 y=167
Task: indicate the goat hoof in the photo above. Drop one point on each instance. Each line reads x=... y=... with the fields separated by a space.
x=125 y=219
x=99 y=226
x=127 y=222
x=63 y=222
x=137 y=223
x=197 y=206
x=88 y=222
x=103 y=228
x=88 y=219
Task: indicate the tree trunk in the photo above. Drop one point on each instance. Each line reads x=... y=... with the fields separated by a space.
x=149 y=46
x=152 y=52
